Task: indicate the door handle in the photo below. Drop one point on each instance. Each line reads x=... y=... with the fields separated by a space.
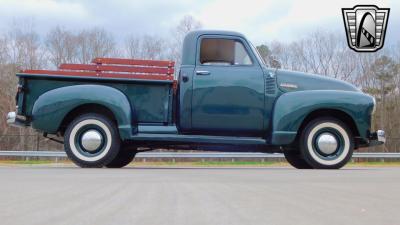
x=203 y=72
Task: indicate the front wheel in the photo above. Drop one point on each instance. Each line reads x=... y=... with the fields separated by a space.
x=92 y=140
x=326 y=143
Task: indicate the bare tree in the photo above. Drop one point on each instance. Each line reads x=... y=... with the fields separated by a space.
x=186 y=24
x=133 y=47
x=24 y=51
x=320 y=52
x=153 y=47
x=62 y=46
x=4 y=54
x=25 y=47
x=94 y=43
x=145 y=47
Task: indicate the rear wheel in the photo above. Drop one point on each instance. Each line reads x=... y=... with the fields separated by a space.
x=125 y=156
x=91 y=140
x=295 y=159
x=326 y=143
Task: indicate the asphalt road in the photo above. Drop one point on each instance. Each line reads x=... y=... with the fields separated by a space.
x=199 y=196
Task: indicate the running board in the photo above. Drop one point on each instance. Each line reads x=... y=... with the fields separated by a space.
x=165 y=137
x=157 y=129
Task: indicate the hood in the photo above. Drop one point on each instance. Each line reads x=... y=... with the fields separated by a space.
x=297 y=81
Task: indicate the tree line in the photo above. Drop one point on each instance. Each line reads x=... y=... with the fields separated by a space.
x=320 y=52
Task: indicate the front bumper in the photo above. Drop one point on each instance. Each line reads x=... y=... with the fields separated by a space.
x=13 y=120
x=377 y=138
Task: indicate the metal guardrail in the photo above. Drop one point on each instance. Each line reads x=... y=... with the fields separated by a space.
x=60 y=154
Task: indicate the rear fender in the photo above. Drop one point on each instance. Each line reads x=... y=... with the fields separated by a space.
x=51 y=107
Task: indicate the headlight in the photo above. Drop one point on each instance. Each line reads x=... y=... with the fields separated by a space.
x=373 y=109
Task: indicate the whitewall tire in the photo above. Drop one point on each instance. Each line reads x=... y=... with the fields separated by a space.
x=326 y=143
x=91 y=140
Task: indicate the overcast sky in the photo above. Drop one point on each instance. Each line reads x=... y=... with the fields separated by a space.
x=259 y=20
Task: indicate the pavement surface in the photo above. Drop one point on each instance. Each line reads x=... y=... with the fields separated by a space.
x=183 y=196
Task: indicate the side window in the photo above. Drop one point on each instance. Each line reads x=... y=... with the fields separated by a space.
x=217 y=51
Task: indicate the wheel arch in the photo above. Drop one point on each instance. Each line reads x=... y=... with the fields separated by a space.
x=329 y=113
x=334 y=113
x=84 y=109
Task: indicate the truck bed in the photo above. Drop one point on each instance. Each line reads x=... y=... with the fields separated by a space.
x=148 y=84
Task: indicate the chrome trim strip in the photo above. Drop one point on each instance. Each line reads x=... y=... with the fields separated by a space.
x=288 y=85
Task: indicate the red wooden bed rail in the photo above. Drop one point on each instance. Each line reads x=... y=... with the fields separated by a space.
x=142 y=62
x=151 y=70
x=116 y=68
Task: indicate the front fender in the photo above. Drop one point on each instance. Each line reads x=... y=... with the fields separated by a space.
x=293 y=107
x=51 y=107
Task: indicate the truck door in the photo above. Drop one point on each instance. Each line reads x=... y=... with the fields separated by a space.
x=228 y=87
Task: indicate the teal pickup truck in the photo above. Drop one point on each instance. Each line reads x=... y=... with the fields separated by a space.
x=224 y=99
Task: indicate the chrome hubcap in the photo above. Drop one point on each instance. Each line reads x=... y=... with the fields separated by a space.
x=327 y=143
x=91 y=140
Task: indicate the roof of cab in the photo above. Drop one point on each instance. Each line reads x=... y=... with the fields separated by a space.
x=197 y=33
x=190 y=43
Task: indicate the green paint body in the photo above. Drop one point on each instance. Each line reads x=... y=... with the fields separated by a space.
x=248 y=101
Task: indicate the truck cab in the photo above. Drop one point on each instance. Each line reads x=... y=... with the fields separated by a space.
x=224 y=99
x=222 y=86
